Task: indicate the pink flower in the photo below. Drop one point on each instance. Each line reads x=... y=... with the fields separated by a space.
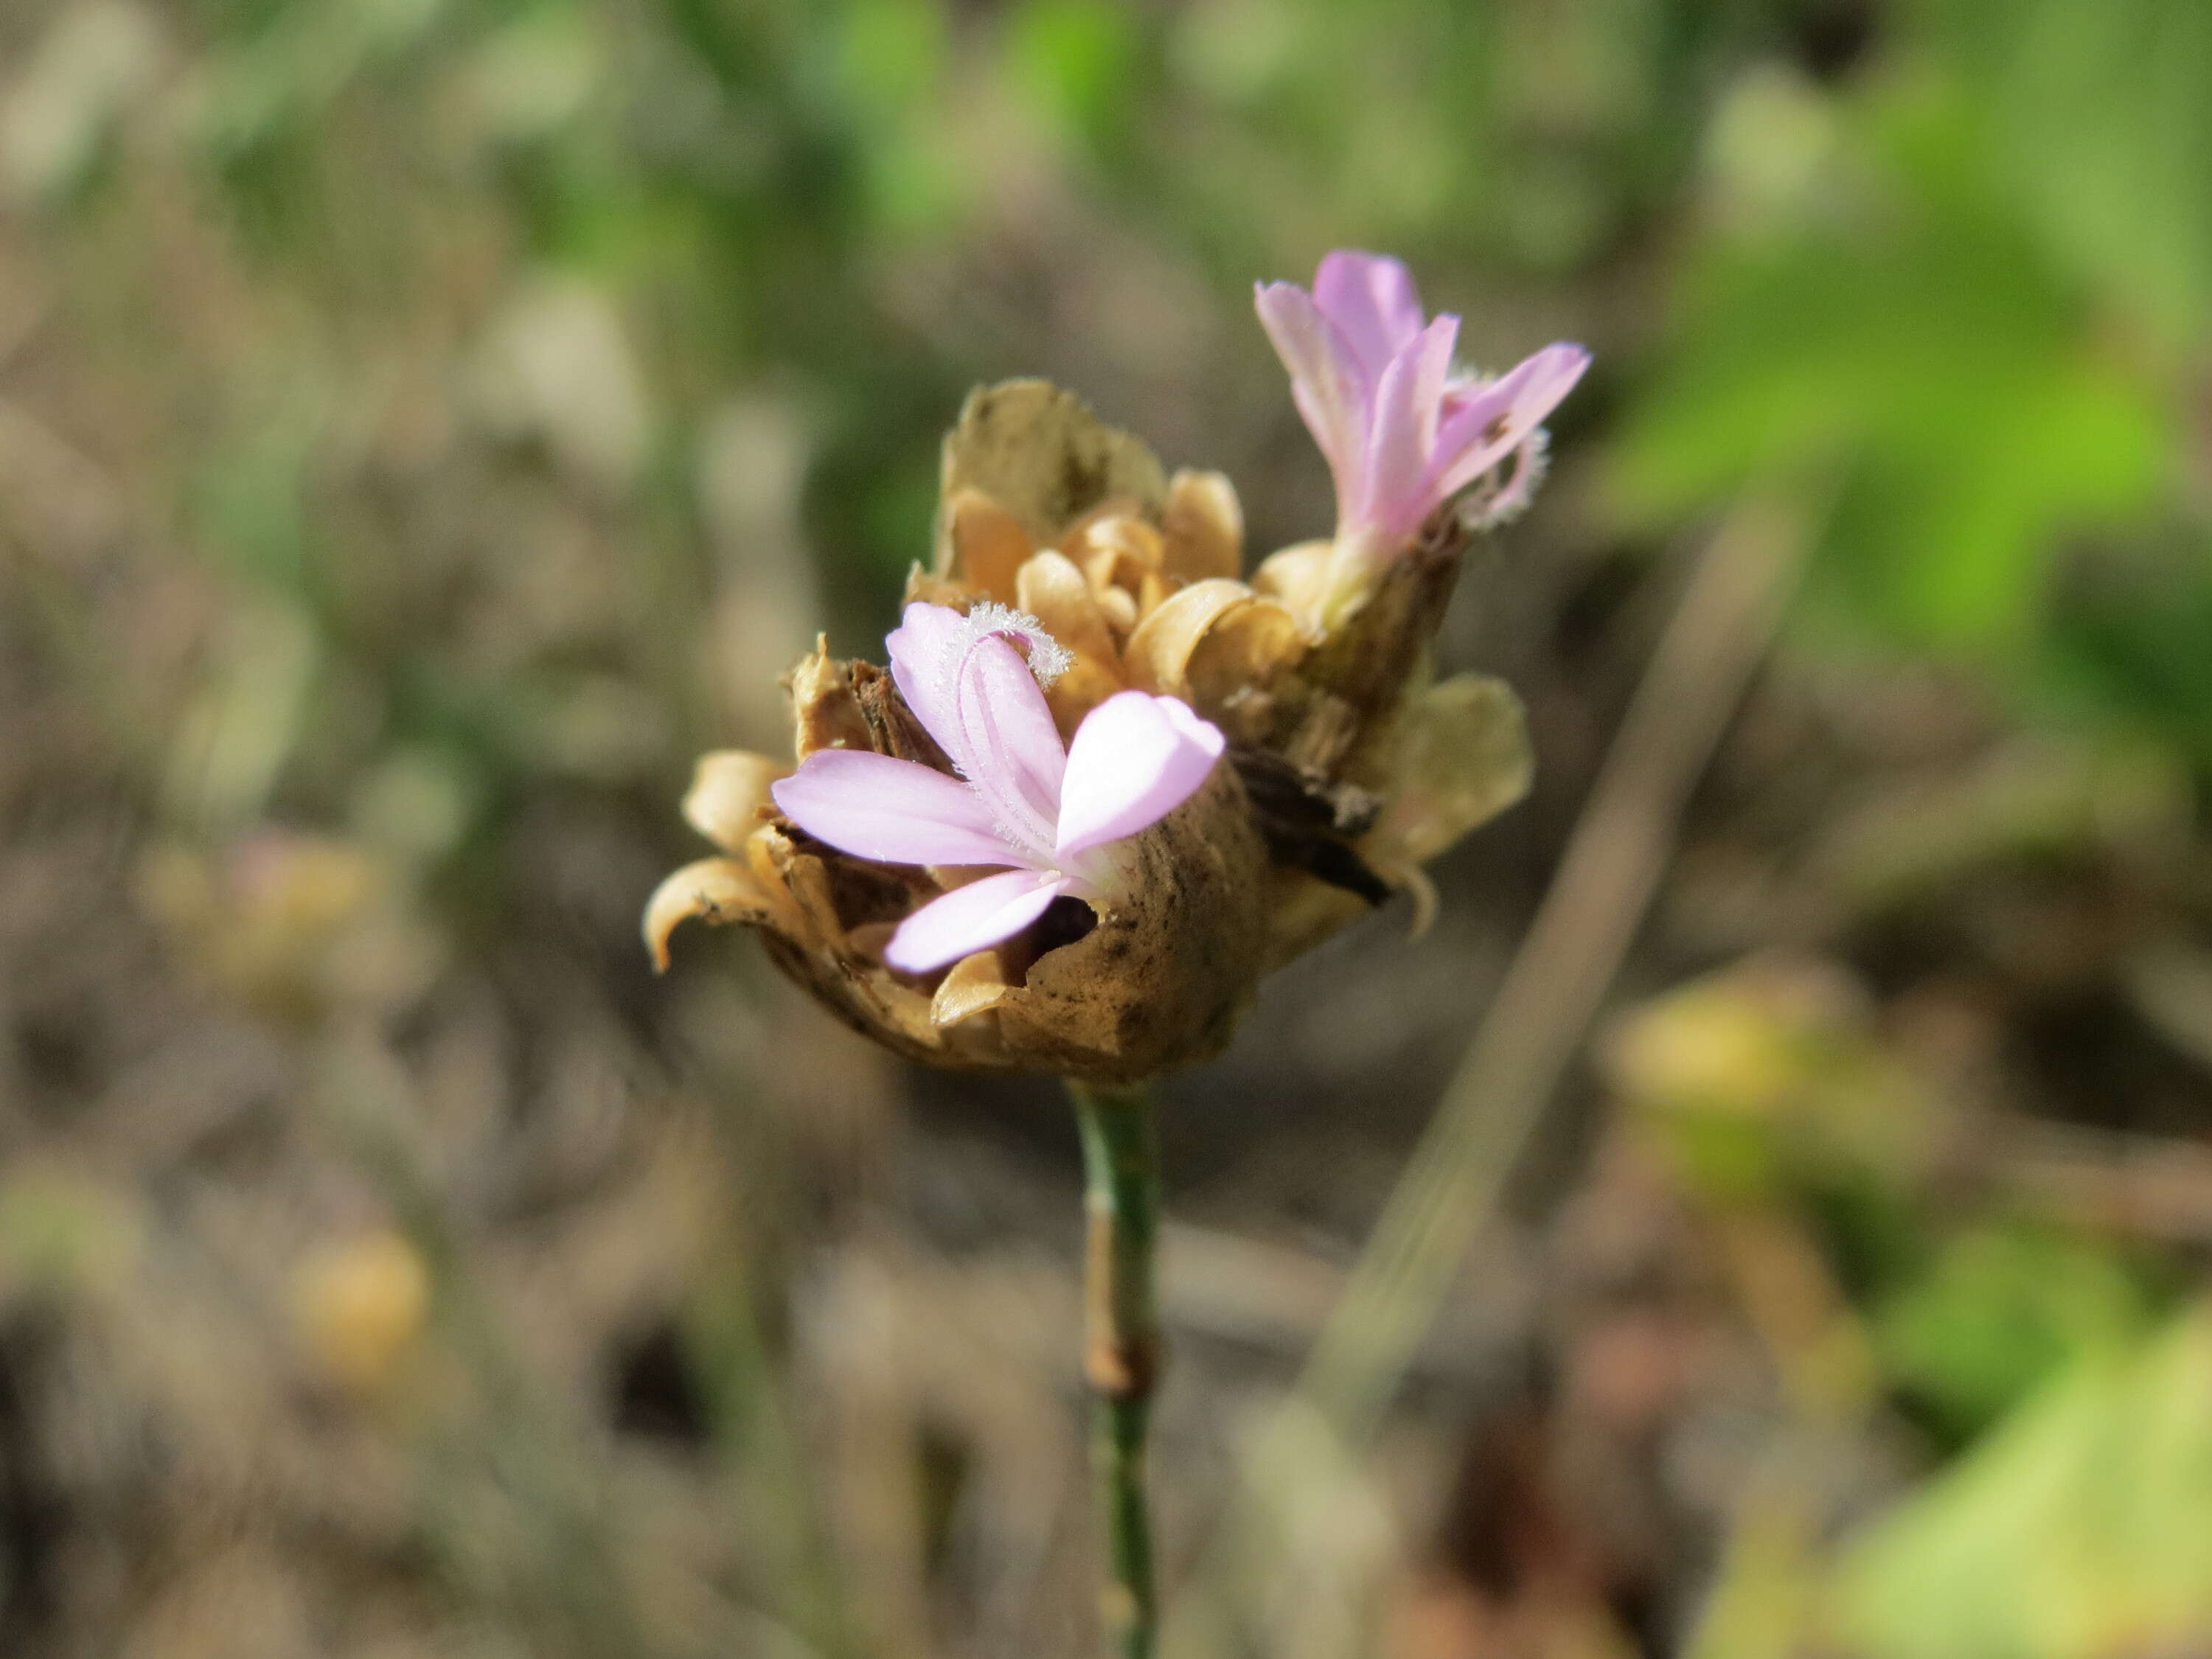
x=1403 y=431
x=1044 y=814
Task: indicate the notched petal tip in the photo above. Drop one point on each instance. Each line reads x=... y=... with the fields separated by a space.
x=970 y=919
x=1373 y=297
x=1135 y=759
x=1492 y=421
x=1542 y=381
x=1565 y=362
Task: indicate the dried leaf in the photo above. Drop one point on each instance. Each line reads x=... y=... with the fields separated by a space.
x=1044 y=457
x=1051 y=589
x=975 y=985
x=714 y=889
x=987 y=544
x=824 y=712
x=729 y=788
x=1463 y=758
x=1157 y=657
x=1202 y=528
x=1296 y=576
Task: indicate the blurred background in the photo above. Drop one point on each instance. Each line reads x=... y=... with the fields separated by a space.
x=426 y=424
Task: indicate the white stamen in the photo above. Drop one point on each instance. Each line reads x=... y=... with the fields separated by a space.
x=1047 y=658
x=1502 y=497
x=1002 y=784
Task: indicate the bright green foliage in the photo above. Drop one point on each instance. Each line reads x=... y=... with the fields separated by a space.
x=2000 y=1309
x=1960 y=299
x=2082 y=1527
x=2095 y=119
x=1901 y=338
x=1077 y=60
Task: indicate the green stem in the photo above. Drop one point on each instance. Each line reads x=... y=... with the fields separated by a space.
x=1122 y=1341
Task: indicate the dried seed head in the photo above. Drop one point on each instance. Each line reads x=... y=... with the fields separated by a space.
x=1063 y=538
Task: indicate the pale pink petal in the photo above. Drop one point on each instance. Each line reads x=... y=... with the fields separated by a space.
x=1407 y=403
x=877 y=806
x=1327 y=382
x=970 y=918
x=1433 y=351
x=1135 y=759
x=1012 y=750
x=1483 y=428
x=1374 y=383
x=1372 y=299
x=924 y=649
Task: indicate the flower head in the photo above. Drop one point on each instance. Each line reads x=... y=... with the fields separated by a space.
x=1069 y=670
x=1403 y=430
x=1045 y=815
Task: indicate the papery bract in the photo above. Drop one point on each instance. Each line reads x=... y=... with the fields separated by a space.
x=1046 y=815
x=1402 y=431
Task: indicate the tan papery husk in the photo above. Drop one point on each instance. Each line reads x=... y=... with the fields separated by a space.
x=1046 y=509
x=1155 y=985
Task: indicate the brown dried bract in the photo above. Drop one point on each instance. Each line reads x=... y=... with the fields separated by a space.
x=1349 y=768
x=1154 y=982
